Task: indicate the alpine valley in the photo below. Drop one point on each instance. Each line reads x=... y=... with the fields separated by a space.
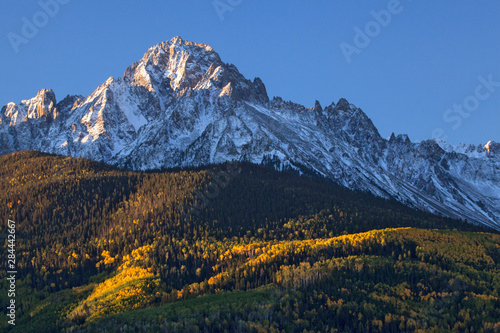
x=181 y=106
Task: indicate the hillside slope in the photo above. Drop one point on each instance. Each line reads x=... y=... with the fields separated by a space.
x=257 y=245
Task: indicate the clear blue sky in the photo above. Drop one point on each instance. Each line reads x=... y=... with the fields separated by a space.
x=416 y=67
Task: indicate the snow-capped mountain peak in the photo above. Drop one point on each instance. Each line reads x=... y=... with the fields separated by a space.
x=181 y=105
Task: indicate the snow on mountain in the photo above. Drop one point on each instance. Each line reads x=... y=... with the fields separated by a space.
x=180 y=105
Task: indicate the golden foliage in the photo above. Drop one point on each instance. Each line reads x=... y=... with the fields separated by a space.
x=130 y=288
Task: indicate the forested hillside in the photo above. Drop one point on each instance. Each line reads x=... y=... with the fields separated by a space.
x=235 y=247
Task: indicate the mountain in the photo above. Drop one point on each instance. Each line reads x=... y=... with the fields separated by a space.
x=101 y=249
x=181 y=105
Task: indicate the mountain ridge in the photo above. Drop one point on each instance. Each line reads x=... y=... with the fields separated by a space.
x=181 y=105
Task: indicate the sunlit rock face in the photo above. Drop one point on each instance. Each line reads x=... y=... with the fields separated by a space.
x=493 y=148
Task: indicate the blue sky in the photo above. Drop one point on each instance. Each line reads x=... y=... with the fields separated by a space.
x=431 y=69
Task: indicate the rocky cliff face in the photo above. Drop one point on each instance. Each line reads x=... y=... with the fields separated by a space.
x=182 y=106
